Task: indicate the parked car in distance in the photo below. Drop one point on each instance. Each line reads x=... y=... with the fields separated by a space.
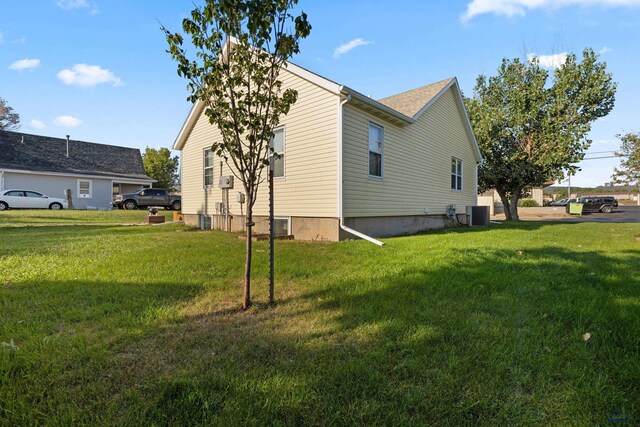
x=29 y=199
x=562 y=202
x=148 y=197
x=598 y=204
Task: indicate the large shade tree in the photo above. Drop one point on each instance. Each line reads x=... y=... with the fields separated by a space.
x=240 y=49
x=9 y=119
x=532 y=129
x=629 y=171
x=161 y=166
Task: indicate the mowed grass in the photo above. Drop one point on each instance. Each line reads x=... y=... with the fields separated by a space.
x=140 y=325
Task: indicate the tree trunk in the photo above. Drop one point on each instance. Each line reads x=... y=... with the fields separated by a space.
x=514 y=208
x=246 y=302
x=505 y=205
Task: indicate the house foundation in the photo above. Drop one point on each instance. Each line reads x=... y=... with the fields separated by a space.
x=328 y=229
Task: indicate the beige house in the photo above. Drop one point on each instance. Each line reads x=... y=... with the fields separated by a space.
x=351 y=166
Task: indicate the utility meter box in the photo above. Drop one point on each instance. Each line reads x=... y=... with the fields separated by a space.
x=219 y=207
x=226 y=182
x=240 y=197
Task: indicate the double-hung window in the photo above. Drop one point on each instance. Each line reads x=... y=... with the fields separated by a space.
x=456 y=174
x=208 y=167
x=277 y=157
x=85 y=188
x=376 y=149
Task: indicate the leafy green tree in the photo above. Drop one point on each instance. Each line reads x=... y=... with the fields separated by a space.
x=532 y=131
x=9 y=120
x=160 y=166
x=241 y=47
x=629 y=172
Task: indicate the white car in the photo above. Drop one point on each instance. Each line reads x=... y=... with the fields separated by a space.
x=29 y=199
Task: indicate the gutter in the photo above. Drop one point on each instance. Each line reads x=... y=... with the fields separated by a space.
x=340 y=184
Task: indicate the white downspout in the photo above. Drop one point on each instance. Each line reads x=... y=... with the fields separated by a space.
x=340 y=184
x=1 y=180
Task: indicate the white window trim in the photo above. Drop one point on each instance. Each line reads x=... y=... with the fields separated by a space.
x=288 y=218
x=80 y=196
x=376 y=177
x=461 y=174
x=284 y=153
x=204 y=168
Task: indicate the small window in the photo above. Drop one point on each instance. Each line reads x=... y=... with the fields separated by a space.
x=282 y=226
x=376 y=149
x=208 y=167
x=32 y=194
x=456 y=174
x=277 y=147
x=15 y=193
x=85 y=188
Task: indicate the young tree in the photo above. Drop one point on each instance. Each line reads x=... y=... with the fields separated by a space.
x=9 y=120
x=531 y=132
x=241 y=47
x=629 y=172
x=160 y=166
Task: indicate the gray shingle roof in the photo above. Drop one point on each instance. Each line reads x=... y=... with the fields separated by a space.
x=412 y=101
x=24 y=151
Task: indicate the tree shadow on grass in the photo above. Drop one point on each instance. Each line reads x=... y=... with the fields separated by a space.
x=495 y=338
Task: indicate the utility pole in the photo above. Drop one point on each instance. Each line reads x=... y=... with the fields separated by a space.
x=271 y=237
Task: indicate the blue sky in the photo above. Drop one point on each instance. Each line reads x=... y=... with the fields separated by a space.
x=97 y=69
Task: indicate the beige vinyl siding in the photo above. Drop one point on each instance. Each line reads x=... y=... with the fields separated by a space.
x=309 y=187
x=416 y=163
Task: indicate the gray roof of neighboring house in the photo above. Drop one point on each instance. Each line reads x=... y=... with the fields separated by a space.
x=23 y=151
x=411 y=102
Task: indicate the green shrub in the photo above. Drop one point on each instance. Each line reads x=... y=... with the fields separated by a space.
x=528 y=203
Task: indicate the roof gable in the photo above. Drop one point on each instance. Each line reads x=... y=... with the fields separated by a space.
x=411 y=102
x=21 y=151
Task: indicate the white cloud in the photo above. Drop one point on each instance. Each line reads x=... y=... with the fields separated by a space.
x=21 y=40
x=25 y=64
x=72 y=4
x=341 y=50
x=549 y=61
x=37 y=124
x=66 y=121
x=511 y=8
x=604 y=50
x=88 y=76
x=1 y=38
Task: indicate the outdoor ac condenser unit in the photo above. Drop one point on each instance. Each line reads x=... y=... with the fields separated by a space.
x=226 y=182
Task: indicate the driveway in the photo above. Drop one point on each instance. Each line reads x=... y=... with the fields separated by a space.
x=621 y=214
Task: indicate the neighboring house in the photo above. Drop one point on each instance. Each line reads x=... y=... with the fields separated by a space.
x=93 y=172
x=350 y=165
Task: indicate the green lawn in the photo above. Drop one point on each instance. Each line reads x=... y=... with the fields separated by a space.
x=140 y=325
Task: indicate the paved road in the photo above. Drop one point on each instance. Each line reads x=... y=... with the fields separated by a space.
x=622 y=214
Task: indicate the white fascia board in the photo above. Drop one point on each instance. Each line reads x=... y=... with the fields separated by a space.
x=377 y=105
x=77 y=175
x=467 y=124
x=189 y=123
x=314 y=78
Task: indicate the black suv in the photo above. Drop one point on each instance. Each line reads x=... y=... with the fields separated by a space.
x=598 y=204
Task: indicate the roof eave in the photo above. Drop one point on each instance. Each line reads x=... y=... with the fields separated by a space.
x=388 y=112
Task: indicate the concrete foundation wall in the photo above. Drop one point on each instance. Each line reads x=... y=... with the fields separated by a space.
x=397 y=225
x=328 y=229
x=307 y=229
